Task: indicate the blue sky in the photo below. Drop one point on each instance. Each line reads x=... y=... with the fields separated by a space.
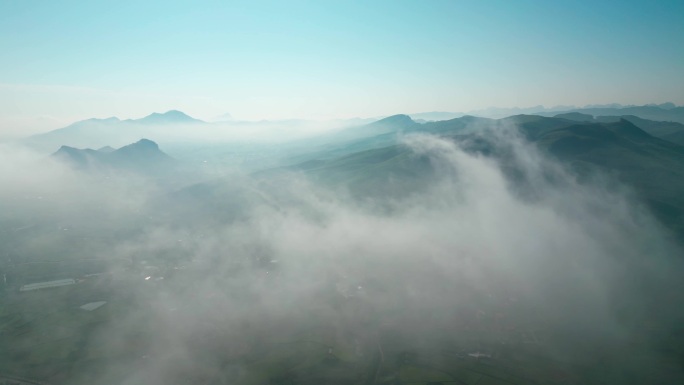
x=70 y=60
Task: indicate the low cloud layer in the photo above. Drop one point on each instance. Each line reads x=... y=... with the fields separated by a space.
x=476 y=259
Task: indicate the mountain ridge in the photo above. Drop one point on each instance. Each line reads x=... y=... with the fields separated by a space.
x=143 y=155
x=168 y=117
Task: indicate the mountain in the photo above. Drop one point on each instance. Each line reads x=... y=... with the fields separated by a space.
x=498 y=113
x=392 y=171
x=96 y=133
x=169 y=117
x=79 y=158
x=435 y=115
x=390 y=124
x=664 y=112
x=86 y=133
x=141 y=152
x=670 y=131
x=576 y=116
x=674 y=137
x=651 y=166
x=387 y=132
x=142 y=156
x=223 y=118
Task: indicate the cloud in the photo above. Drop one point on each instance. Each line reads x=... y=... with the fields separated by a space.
x=478 y=258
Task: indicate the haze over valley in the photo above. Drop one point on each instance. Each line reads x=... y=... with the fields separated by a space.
x=362 y=215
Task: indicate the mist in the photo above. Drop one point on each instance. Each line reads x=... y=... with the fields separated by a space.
x=501 y=256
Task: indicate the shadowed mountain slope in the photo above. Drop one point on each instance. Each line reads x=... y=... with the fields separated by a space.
x=668 y=113
x=653 y=167
x=670 y=131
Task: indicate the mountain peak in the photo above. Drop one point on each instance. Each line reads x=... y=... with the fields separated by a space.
x=141 y=156
x=628 y=129
x=65 y=148
x=396 y=119
x=141 y=145
x=171 y=116
x=576 y=116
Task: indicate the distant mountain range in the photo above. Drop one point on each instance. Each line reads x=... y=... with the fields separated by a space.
x=169 y=117
x=663 y=113
x=645 y=154
x=174 y=129
x=385 y=132
x=670 y=131
x=372 y=164
x=370 y=159
x=177 y=127
x=653 y=110
x=96 y=133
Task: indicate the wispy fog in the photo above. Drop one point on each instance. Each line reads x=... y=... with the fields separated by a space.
x=496 y=256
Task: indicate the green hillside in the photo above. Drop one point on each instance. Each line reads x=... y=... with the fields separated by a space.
x=653 y=167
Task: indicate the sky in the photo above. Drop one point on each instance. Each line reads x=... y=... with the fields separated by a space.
x=72 y=60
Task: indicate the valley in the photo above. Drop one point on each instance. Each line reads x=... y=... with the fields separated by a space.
x=395 y=252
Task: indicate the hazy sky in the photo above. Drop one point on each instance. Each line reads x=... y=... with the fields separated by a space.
x=71 y=60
